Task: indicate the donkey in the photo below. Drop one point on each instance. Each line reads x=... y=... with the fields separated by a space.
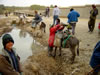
x=71 y=43
x=43 y=26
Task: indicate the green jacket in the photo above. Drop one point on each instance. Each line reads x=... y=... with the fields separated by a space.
x=93 y=13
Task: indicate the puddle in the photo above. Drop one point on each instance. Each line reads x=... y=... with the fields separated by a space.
x=2 y=16
x=23 y=42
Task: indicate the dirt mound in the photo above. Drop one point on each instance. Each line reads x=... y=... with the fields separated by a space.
x=41 y=64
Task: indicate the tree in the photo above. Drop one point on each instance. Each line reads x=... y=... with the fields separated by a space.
x=37 y=7
x=51 y=6
x=2 y=8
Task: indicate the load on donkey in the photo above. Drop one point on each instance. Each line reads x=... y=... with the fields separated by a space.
x=61 y=39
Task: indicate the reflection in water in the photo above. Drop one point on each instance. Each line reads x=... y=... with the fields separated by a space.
x=22 y=42
x=22 y=33
x=36 y=47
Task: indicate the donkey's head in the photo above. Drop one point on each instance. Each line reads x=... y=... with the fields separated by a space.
x=43 y=25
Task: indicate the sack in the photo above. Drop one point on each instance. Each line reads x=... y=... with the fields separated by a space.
x=57 y=42
x=59 y=34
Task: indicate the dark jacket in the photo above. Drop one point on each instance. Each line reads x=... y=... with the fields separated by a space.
x=95 y=59
x=37 y=17
x=8 y=58
x=93 y=13
x=6 y=68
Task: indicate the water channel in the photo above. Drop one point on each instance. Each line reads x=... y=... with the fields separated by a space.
x=23 y=42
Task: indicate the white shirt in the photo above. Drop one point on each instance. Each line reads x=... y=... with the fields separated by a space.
x=56 y=11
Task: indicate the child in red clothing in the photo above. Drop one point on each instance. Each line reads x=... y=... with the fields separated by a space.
x=53 y=30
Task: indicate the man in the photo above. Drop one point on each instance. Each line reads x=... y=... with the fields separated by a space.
x=93 y=14
x=73 y=18
x=56 y=12
x=47 y=12
x=11 y=60
x=37 y=19
x=95 y=59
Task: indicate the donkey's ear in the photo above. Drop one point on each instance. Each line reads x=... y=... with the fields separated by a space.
x=41 y=22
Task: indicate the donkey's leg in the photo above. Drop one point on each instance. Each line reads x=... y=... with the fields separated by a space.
x=73 y=54
x=44 y=30
x=55 y=51
x=59 y=51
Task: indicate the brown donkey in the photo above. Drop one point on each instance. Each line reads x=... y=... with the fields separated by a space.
x=43 y=26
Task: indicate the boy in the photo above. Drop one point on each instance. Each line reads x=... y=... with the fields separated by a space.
x=9 y=53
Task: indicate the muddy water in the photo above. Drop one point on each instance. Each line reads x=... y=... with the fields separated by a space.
x=23 y=42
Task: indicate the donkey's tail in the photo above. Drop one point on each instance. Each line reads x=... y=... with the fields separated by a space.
x=78 y=49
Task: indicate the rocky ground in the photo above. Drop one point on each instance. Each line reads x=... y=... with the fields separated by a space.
x=40 y=64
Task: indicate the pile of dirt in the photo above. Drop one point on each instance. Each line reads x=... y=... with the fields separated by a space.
x=41 y=64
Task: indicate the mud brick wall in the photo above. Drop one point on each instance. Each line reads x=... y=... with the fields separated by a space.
x=83 y=10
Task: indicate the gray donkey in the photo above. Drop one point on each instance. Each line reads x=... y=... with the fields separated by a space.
x=71 y=43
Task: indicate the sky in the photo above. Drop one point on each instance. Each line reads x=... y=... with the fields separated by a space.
x=61 y=3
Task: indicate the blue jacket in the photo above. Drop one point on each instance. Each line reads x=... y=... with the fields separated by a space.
x=73 y=16
x=95 y=59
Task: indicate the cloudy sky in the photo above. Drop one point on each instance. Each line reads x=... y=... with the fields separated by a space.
x=63 y=3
